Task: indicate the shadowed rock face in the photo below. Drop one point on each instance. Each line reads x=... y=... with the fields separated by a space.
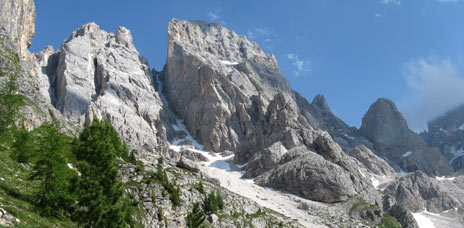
x=17 y=20
x=447 y=133
x=387 y=129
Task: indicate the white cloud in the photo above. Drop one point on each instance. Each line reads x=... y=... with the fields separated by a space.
x=215 y=17
x=446 y=1
x=376 y=15
x=302 y=66
x=260 y=32
x=391 y=2
x=436 y=86
x=266 y=37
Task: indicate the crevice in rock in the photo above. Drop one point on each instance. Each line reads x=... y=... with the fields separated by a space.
x=99 y=79
x=50 y=71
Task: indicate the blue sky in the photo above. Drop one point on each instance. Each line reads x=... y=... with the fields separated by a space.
x=353 y=52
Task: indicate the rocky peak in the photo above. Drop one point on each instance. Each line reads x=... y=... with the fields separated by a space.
x=320 y=102
x=212 y=73
x=17 y=21
x=447 y=133
x=383 y=122
x=99 y=74
x=387 y=129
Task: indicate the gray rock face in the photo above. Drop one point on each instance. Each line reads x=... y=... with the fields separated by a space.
x=309 y=174
x=100 y=74
x=447 y=133
x=17 y=19
x=416 y=192
x=371 y=161
x=210 y=78
x=387 y=129
x=232 y=96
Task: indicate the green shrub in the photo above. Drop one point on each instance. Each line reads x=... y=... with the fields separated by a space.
x=196 y=218
x=388 y=221
x=214 y=202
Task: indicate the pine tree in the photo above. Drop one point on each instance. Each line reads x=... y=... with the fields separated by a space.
x=214 y=202
x=24 y=145
x=100 y=190
x=10 y=101
x=53 y=197
x=196 y=218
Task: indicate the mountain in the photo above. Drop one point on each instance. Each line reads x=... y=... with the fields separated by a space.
x=387 y=129
x=447 y=133
x=219 y=114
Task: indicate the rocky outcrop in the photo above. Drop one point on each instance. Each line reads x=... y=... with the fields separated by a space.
x=215 y=80
x=99 y=74
x=387 y=129
x=417 y=192
x=447 y=133
x=310 y=175
x=232 y=96
x=17 y=22
x=371 y=161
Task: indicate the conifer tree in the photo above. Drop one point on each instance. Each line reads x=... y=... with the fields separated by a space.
x=196 y=218
x=10 y=101
x=53 y=197
x=100 y=190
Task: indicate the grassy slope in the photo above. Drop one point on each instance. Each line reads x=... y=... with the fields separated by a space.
x=16 y=195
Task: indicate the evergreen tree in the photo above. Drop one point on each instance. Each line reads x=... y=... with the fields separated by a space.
x=24 y=145
x=214 y=202
x=53 y=197
x=196 y=218
x=10 y=101
x=100 y=190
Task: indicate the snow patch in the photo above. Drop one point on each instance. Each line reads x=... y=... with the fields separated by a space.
x=442 y=178
x=352 y=138
x=179 y=126
x=422 y=220
x=461 y=127
x=457 y=153
x=407 y=154
x=362 y=173
x=375 y=182
x=241 y=166
x=228 y=63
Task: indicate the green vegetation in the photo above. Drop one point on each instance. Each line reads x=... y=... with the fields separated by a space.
x=54 y=197
x=214 y=202
x=199 y=187
x=389 y=222
x=196 y=217
x=10 y=101
x=99 y=190
x=170 y=188
x=361 y=204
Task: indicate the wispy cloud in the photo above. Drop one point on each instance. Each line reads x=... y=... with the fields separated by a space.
x=377 y=15
x=436 y=86
x=447 y=1
x=214 y=16
x=266 y=37
x=391 y=2
x=259 y=32
x=301 y=66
